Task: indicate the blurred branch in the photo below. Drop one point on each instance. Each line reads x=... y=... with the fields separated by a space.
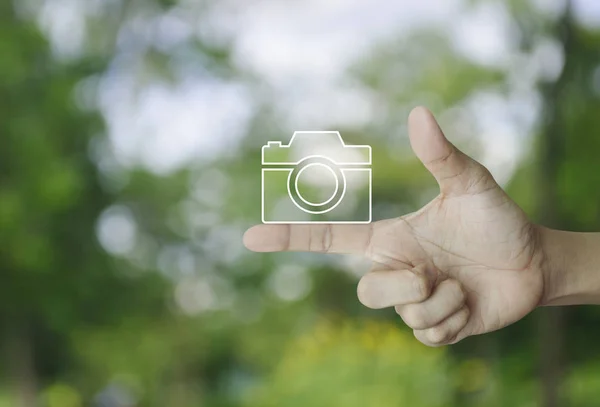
x=552 y=155
x=20 y=364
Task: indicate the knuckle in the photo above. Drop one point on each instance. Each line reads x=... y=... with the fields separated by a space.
x=288 y=240
x=316 y=238
x=363 y=291
x=398 y=309
x=413 y=315
x=464 y=315
x=327 y=239
x=481 y=178
x=455 y=289
x=438 y=335
x=452 y=284
x=421 y=287
x=421 y=336
x=461 y=296
x=459 y=293
x=441 y=161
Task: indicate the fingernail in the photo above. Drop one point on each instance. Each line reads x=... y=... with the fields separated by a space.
x=265 y=238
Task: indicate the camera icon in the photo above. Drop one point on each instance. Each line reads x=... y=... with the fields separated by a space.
x=316 y=178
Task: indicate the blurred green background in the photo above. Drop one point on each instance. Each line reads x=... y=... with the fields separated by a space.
x=130 y=136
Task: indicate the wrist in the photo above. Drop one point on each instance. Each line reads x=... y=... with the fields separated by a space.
x=552 y=268
x=570 y=267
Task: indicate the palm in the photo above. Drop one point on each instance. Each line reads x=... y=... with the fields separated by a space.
x=484 y=241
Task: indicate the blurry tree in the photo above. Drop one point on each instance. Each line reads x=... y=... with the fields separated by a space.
x=564 y=171
x=73 y=316
x=55 y=276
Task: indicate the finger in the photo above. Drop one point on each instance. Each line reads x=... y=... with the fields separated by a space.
x=447 y=298
x=386 y=288
x=455 y=172
x=323 y=238
x=445 y=332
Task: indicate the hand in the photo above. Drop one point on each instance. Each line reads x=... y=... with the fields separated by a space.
x=467 y=263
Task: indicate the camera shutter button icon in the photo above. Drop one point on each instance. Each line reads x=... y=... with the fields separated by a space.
x=325 y=151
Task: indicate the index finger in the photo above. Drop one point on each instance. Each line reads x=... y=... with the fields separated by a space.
x=320 y=238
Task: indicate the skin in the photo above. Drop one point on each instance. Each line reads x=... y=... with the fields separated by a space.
x=468 y=263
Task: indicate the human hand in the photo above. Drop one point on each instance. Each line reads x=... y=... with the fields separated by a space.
x=467 y=263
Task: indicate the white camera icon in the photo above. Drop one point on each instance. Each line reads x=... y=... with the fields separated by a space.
x=316 y=178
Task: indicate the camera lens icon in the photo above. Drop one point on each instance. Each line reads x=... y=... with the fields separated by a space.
x=316 y=178
x=304 y=204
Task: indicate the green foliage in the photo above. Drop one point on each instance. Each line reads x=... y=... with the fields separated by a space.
x=356 y=364
x=86 y=319
x=55 y=275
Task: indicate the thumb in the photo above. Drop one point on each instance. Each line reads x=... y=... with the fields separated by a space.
x=455 y=172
